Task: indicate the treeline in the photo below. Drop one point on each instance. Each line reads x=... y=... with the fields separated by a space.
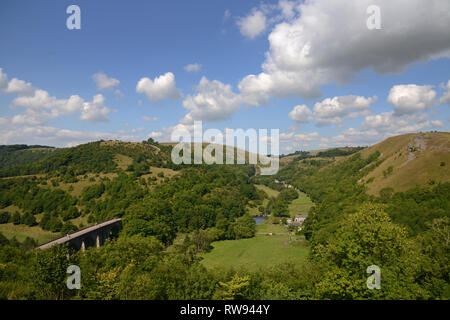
x=21 y=154
x=329 y=153
x=95 y=157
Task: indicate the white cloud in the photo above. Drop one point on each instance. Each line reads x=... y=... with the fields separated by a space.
x=252 y=25
x=12 y=134
x=14 y=86
x=301 y=114
x=155 y=134
x=287 y=8
x=162 y=87
x=41 y=107
x=19 y=87
x=193 y=67
x=411 y=98
x=149 y=119
x=3 y=80
x=214 y=101
x=333 y=110
x=95 y=111
x=446 y=96
x=315 y=48
x=391 y=123
x=104 y=82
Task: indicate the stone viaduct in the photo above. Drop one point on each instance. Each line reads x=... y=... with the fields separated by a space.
x=95 y=235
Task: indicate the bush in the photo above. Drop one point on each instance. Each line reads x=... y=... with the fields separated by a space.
x=28 y=219
x=15 y=219
x=4 y=217
x=68 y=227
x=71 y=213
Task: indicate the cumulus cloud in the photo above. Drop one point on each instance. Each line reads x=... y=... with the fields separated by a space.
x=301 y=114
x=12 y=134
x=411 y=98
x=14 y=86
x=252 y=25
x=162 y=87
x=95 y=111
x=193 y=67
x=392 y=123
x=104 y=82
x=155 y=134
x=315 y=48
x=446 y=96
x=333 y=110
x=41 y=107
x=214 y=101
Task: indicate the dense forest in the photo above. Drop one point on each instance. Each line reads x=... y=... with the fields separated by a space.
x=405 y=233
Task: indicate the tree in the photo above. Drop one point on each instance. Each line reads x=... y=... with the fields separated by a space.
x=3 y=240
x=49 y=273
x=29 y=219
x=4 y=217
x=68 y=227
x=365 y=238
x=235 y=289
x=244 y=227
x=16 y=218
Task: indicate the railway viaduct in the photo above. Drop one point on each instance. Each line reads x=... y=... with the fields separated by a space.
x=95 y=235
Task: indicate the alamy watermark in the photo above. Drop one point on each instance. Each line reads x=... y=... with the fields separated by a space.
x=74 y=281
x=374 y=280
x=373 y=22
x=74 y=20
x=256 y=142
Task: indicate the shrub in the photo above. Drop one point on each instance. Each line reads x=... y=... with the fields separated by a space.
x=28 y=219
x=4 y=217
x=15 y=219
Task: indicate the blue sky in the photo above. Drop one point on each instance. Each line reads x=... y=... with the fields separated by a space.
x=256 y=61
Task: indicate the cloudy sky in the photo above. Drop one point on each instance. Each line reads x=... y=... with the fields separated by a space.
x=139 y=69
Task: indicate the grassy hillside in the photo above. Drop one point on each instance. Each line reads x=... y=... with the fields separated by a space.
x=409 y=160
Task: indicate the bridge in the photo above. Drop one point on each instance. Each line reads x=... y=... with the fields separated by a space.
x=95 y=235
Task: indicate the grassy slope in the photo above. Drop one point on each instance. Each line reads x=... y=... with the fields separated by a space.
x=422 y=168
x=300 y=206
x=22 y=231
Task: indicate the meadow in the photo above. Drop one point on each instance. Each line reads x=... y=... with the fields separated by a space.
x=258 y=252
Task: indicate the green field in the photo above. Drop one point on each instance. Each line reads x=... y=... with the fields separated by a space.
x=258 y=252
x=300 y=206
x=270 y=192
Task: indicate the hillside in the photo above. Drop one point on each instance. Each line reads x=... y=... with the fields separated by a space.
x=409 y=160
x=19 y=154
